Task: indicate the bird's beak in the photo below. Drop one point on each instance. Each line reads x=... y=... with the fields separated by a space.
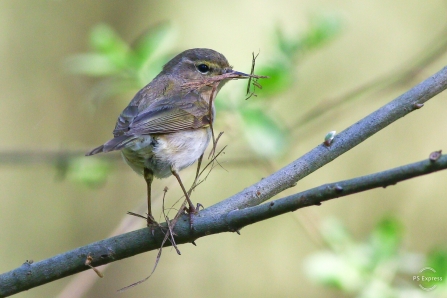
x=234 y=74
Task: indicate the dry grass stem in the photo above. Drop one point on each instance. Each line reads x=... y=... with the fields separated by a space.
x=88 y=262
x=197 y=84
x=253 y=78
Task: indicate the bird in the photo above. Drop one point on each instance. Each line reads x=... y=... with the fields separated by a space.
x=167 y=126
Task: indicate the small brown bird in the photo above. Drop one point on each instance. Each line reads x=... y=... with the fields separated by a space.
x=166 y=126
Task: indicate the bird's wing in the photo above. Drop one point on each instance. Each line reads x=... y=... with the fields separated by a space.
x=124 y=120
x=171 y=115
x=150 y=94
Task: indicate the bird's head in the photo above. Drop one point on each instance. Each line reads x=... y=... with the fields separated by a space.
x=201 y=64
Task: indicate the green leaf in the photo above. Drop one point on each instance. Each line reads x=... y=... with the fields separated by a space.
x=333 y=270
x=280 y=78
x=386 y=237
x=88 y=171
x=322 y=29
x=437 y=259
x=285 y=45
x=435 y=273
x=107 y=42
x=265 y=137
x=335 y=234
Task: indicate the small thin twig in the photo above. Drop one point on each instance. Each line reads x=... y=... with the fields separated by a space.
x=173 y=223
x=211 y=161
x=255 y=82
x=210 y=115
x=170 y=232
x=197 y=84
x=136 y=214
x=169 y=235
x=88 y=262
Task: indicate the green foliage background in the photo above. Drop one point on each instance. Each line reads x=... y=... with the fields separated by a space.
x=69 y=68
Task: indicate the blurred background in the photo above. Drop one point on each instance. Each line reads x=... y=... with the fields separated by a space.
x=70 y=67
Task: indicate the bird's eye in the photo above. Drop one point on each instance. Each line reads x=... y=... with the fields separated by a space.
x=203 y=68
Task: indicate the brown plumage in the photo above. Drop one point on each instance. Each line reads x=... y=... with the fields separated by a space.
x=166 y=126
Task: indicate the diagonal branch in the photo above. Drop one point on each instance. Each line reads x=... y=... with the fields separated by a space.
x=129 y=244
x=346 y=140
x=225 y=216
x=238 y=219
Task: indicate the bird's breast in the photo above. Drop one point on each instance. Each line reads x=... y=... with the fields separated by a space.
x=161 y=153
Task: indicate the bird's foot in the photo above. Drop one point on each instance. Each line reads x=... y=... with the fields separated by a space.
x=198 y=207
x=193 y=210
x=151 y=221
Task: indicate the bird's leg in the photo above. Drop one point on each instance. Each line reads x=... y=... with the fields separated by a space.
x=199 y=163
x=149 y=177
x=192 y=209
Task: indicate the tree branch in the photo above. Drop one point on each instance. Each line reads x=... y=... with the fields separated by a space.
x=238 y=219
x=346 y=140
x=225 y=216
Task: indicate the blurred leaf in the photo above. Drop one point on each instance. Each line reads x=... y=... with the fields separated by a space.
x=148 y=71
x=367 y=269
x=280 y=78
x=107 y=42
x=437 y=259
x=112 y=86
x=378 y=287
x=124 y=69
x=386 y=237
x=287 y=46
x=332 y=270
x=148 y=42
x=91 y=64
x=322 y=28
x=92 y=172
x=335 y=233
x=263 y=134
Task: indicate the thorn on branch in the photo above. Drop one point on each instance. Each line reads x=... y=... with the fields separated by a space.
x=389 y=184
x=338 y=189
x=28 y=262
x=434 y=156
x=417 y=105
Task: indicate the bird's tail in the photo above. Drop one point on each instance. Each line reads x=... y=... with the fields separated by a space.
x=116 y=143
x=96 y=150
